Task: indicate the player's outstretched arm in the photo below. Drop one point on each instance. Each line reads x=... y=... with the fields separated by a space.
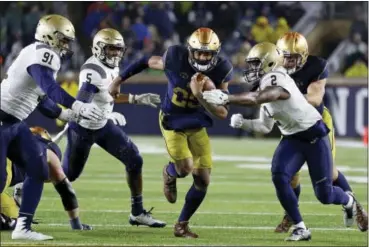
x=44 y=78
x=51 y=110
x=148 y=99
x=268 y=94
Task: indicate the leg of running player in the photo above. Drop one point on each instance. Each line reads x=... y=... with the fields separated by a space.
x=76 y=153
x=199 y=144
x=113 y=139
x=8 y=207
x=64 y=187
x=35 y=166
x=287 y=160
x=320 y=162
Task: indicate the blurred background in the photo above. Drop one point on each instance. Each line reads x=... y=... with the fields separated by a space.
x=336 y=31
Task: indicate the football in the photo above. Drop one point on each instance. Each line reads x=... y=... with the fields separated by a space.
x=208 y=85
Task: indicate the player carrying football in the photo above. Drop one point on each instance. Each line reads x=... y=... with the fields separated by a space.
x=304 y=134
x=16 y=176
x=95 y=76
x=310 y=74
x=184 y=114
x=30 y=76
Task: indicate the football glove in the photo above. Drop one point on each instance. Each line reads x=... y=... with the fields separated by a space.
x=117 y=118
x=87 y=110
x=236 y=121
x=68 y=115
x=149 y=99
x=216 y=97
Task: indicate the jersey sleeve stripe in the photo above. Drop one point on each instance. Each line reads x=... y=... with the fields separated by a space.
x=96 y=68
x=40 y=46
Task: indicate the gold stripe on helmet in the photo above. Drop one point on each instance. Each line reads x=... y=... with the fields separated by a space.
x=36 y=130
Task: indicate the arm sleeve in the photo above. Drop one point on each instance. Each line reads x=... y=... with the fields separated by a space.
x=135 y=68
x=264 y=124
x=228 y=72
x=48 y=107
x=90 y=81
x=43 y=76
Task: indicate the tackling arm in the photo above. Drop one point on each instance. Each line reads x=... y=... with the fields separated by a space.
x=315 y=92
x=268 y=94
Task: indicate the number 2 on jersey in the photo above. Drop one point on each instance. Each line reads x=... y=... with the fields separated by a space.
x=274 y=80
x=48 y=58
x=184 y=99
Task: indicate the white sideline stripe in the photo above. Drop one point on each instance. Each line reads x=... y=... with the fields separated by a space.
x=164 y=200
x=52 y=243
x=218 y=227
x=304 y=168
x=200 y=212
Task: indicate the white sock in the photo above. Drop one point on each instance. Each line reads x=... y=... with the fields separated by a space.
x=350 y=202
x=300 y=225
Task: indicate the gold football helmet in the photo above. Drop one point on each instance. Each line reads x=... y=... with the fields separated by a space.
x=295 y=49
x=108 y=46
x=262 y=58
x=57 y=32
x=41 y=132
x=203 y=46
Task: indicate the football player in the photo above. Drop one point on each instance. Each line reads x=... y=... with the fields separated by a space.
x=184 y=114
x=31 y=75
x=16 y=176
x=304 y=134
x=94 y=78
x=310 y=74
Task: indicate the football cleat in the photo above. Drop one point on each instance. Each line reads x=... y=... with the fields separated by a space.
x=182 y=230
x=22 y=233
x=349 y=213
x=17 y=194
x=361 y=218
x=170 y=186
x=285 y=225
x=299 y=234
x=145 y=219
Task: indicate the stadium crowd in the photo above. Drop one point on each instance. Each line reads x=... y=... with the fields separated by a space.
x=151 y=27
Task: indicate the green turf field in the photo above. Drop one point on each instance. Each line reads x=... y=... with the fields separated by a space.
x=241 y=207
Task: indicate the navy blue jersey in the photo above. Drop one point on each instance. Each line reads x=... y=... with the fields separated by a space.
x=314 y=69
x=180 y=107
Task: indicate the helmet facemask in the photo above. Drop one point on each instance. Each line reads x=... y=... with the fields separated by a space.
x=292 y=62
x=63 y=45
x=253 y=71
x=111 y=55
x=203 y=60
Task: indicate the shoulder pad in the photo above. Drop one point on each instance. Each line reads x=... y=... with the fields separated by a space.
x=47 y=57
x=320 y=70
x=92 y=74
x=174 y=55
x=275 y=78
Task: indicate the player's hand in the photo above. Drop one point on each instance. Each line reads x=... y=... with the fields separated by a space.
x=68 y=115
x=87 y=110
x=114 y=89
x=236 y=121
x=117 y=118
x=149 y=99
x=197 y=85
x=216 y=97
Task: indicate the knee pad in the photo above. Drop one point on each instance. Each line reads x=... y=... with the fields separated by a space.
x=280 y=179
x=324 y=192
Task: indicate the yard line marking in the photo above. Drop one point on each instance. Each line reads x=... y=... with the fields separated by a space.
x=176 y=212
x=154 y=199
x=217 y=227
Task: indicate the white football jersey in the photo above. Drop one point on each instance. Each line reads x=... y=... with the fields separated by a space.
x=293 y=115
x=19 y=92
x=100 y=75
